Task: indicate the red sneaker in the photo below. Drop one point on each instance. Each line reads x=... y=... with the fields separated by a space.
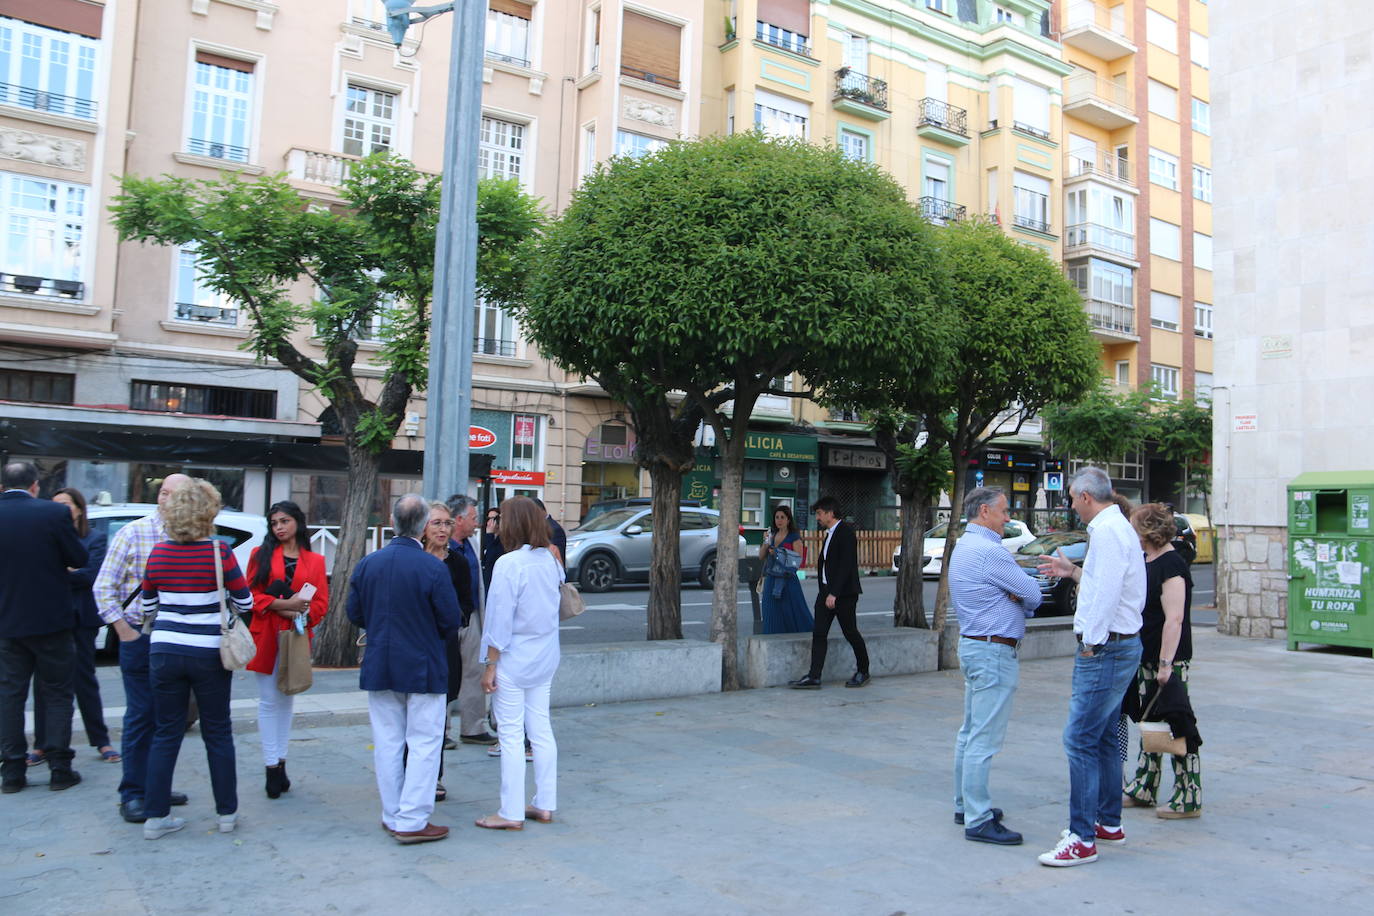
x=1112 y=836
x=1070 y=851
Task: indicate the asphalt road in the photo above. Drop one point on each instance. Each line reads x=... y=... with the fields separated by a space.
x=620 y=614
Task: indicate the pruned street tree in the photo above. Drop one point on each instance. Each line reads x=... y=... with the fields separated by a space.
x=1182 y=432
x=361 y=269
x=1100 y=427
x=714 y=267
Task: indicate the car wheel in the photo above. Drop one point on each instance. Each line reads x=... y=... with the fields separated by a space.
x=597 y=573
x=707 y=576
x=1068 y=600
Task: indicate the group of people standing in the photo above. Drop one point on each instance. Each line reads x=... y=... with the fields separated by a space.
x=161 y=584
x=1132 y=625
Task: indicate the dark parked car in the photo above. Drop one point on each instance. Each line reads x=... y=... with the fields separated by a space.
x=1059 y=596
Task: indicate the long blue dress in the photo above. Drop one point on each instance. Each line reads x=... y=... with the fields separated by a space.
x=788 y=613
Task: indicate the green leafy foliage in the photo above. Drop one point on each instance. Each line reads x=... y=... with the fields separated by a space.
x=1100 y=427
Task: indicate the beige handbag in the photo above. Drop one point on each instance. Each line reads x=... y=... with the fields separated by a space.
x=236 y=648
x=294 y=674
x=1155 y=737
x=570 y=602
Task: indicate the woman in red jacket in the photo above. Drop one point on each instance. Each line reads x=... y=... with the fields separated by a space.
x=277 y=571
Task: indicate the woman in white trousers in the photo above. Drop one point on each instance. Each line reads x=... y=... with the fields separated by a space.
x=520 y=649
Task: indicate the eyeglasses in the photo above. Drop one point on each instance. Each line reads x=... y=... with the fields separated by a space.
x=441 y=522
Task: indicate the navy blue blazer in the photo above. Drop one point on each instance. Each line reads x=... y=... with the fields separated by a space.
x=83 y=581
x=38 y=543
x=405 y=600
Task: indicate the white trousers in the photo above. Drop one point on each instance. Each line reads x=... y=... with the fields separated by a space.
x=274 y=717
x=401 y=720
x=522 y=713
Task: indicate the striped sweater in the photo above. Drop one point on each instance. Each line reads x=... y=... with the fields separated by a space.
x=179 y=584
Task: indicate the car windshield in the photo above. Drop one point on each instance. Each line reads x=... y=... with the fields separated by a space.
x=1073 y=543
x=941 y=530
x=613 y=519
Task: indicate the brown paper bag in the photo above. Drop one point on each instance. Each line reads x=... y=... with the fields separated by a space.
x=293 y=662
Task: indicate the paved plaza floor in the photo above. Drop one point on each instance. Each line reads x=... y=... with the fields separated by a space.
x=764 y=801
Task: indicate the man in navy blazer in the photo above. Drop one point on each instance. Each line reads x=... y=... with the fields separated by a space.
x=404 y=598
x=38 y=544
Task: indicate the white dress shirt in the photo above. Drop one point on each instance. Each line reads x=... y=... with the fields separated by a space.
x=521 y=618
x=825 y=548
x=1112 y=593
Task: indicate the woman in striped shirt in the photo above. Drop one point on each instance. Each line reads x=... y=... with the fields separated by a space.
x=183 y=656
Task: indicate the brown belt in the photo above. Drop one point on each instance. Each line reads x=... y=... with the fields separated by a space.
x=1115 y=637
x=1000 y=640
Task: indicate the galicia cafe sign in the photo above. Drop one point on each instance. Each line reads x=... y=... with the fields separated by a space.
x=768 y=446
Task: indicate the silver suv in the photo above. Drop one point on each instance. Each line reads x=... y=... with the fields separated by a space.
x=615 y=547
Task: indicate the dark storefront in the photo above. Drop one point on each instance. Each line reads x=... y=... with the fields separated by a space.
x=779 y=468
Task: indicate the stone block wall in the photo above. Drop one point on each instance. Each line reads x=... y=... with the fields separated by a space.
x=1252 y=581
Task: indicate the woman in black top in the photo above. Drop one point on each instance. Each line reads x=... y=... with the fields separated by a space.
x=1167 y=640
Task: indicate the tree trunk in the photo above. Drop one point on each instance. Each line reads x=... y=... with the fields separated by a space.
x=956 y=507
x=908 y=608
x=336 y=637
x=665 y=560
x=725 y=602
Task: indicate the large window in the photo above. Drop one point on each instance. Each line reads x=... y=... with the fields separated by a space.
x=369 y=120
x=221 y=108
x=508 y=32
x=855 y=53
x=1165 y=379
x=494 y=330
x=784 y=24
x=1031 y=195
x=1199 y=49
x=636 y=145
x=1100 y=217
x=195 y=300
x=45 y=236
x=1202 y=117
x=1105 y=282
x=1202 y=320
x=51 y=69
x=1031 y=107
x=650 y=49
x=1163 y=169
x=1202 y=251
x=780 y=116
x=1202 y=183
x=501 y=149
x=1163 y=100
x=38 y=387
x=170 y=397
x=1202 y=387
x=1165 y=311
x=1165 y=240
x=1162 y=31
x=936 y=178
x=854 y=145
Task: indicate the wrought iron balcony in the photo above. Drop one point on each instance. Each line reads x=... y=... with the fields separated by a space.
x=940 y=211
x=216 y=150
x=935 y=113
x=42 y=100
x=779 y=37
x=210 y=314
x=494 y=346
x=1033 y=131
x=1030 y=222
x=1099 y=164
x=858 y=87
x=502 y=57
x=30 y=285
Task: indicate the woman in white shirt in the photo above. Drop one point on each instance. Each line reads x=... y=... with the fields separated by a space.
x=520 y=648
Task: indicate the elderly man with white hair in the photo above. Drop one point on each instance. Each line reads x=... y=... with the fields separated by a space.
x=403 y=597
x=1111 y=596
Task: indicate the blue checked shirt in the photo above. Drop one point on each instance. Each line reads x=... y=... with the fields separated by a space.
x=983 y=578
x=122 y=572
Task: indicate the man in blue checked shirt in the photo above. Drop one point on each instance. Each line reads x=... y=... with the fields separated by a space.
x=993 y=596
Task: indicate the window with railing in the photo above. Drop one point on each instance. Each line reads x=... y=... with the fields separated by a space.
x=172 y=397
x=44 y=236
x=494 y=330
x=1108 y=291
x=38 y=387
x=48 y=69
x=779 y=37
x=854 y=145
x=1165 y=379
x=780 y=116
x=500 y=149
x=221 y=107
x=850 y=84
x=369 y=120
x=508 y=32
x=1101 y=218
x=937 y=113
x=1202 y=320
x=940 y=211
x=650 y=49
x=196 y=300
x=1031 y=197
x=846 y=415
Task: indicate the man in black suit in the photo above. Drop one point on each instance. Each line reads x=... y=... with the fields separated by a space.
x=38 y=544
x=558 y=538
x=837 y=571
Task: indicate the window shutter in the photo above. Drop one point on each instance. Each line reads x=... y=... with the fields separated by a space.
x=649 y=48
x=968 y=11
x=510 y=8
x=792 y=15
x=219 y=60
x=75 y=16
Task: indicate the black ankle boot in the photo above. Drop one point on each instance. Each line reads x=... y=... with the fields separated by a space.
x=275 y=777
x=285 y=782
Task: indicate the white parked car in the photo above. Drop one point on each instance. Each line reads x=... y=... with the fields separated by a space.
x=1015 y=535
x=242 y=531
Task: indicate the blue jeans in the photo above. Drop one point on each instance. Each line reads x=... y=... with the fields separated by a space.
x=991 y=672
x=173 y=678
x=138 y=718
x=1099 y=683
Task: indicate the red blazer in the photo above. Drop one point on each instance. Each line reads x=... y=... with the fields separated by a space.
x=267 y=624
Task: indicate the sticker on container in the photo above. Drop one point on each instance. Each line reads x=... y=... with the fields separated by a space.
x=1349 y=573
x=1323 y=553
x=1359 y=512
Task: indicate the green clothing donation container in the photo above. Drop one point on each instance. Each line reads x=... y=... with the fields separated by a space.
x=1330 y=554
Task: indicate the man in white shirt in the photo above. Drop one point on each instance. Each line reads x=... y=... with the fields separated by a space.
x=1110 y=598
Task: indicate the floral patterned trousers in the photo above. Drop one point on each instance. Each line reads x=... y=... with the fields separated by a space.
x=1144 y=787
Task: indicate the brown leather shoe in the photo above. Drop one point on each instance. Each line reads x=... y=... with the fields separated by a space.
x=427 y=834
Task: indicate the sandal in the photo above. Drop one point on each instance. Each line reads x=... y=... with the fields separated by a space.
x=110 y=755
x=497 y=822
x=440 y=793
x=538 y=814
x=34 y=758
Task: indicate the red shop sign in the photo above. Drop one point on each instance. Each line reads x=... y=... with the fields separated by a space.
x=518 y=478
x=480 y=437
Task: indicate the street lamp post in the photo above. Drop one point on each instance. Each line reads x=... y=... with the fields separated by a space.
x=455 y=255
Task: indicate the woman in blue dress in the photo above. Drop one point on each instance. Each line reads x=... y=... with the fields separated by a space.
x=784 y=606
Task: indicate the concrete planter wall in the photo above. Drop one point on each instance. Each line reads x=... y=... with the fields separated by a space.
x=771 y=661
x=624 y=671
x=1050 y=637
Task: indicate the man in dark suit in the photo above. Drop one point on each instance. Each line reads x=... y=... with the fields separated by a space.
x=467 y=579
x=837 y=571
x=403 y=597
x=38 y=544
x=557 y=536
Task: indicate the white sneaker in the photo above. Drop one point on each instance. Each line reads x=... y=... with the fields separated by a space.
x=1070 y=851
x=157 y=827
x=494 y=751
x=227 y=822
